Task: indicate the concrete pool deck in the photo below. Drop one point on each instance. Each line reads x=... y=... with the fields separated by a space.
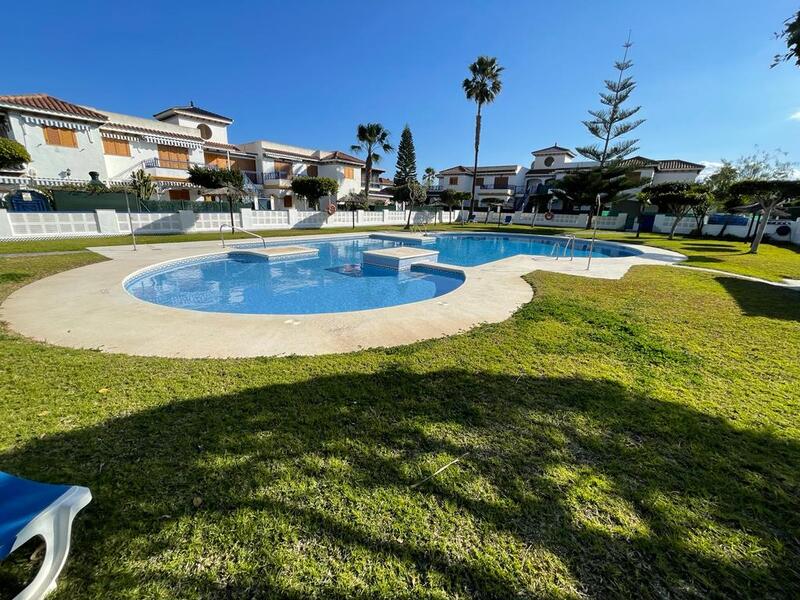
x=88 y=307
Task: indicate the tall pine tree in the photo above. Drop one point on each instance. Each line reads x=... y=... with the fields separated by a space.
x=406 y=159
x=608 y=124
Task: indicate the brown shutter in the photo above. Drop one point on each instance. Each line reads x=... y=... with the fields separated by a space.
x=312 y=171
x=500 y=182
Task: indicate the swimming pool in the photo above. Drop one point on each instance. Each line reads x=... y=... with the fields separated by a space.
x=332 y=281
x=469 y=250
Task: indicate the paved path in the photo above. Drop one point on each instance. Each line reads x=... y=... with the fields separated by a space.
x=88 y=307
x=789 y=284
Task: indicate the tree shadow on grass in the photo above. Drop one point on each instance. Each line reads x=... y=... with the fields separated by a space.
x=780 y=303
x=564 y=487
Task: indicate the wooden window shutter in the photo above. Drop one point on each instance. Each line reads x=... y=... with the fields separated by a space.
x=454 y=181
x=312 y=171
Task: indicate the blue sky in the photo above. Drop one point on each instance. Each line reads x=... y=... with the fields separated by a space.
x=307 y=73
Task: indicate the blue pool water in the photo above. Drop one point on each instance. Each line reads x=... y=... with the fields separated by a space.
x=334 y=281
x=474 y=249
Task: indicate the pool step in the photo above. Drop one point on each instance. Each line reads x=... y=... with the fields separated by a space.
x=274 y=253
x=414 y=239
x=399 y=258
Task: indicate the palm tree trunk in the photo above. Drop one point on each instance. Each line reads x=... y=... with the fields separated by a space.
x=762 y=226
x=368 y=175
x=475 y=165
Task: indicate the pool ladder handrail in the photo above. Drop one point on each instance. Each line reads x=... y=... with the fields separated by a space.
x=569 y=245
x=234 y=229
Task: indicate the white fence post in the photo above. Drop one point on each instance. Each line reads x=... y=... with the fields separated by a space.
x=107 y=222
x=5 y=224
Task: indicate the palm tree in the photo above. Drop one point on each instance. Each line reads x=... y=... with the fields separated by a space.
x=482 y=87
x=430 y=176
x=371 y=137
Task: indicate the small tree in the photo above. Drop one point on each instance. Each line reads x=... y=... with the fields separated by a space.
x=228 y=182
x=769 y=194
x=610 y=123
x=676 y=197
x=142 y=185
x=706 y=203
x=13 y=155
x=583 y=186
x=314 y=188
x=452 y=199
x=416 y=194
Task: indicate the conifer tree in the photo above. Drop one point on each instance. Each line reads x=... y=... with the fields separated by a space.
x=406 y=167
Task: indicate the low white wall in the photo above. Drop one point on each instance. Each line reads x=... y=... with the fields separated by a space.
x=29 y=225
x=49 y=225
x=688 y=225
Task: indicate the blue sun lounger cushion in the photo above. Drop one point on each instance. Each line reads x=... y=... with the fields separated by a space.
x=29 y=509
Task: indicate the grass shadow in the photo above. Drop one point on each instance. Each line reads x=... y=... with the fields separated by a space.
x=565 y=487
x=781 y=304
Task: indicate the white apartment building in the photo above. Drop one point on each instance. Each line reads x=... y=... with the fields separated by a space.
x=512 y=184
x=67 y=141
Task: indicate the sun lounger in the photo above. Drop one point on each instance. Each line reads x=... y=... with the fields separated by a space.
x=29 y=509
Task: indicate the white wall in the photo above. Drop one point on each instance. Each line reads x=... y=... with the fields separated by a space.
x=53 y=161
x=219 y=131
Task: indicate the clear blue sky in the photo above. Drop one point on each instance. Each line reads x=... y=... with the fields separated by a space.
x=307 y=73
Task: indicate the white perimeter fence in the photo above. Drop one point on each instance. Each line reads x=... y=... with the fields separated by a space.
x=101 y=222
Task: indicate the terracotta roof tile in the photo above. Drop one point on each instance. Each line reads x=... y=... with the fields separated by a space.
x=338 y=155
x=678 y=165
x=50 y=104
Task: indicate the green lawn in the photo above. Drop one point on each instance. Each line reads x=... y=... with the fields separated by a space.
x=631 y=439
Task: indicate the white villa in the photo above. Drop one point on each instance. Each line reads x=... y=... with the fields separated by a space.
x=511 y=184
x=67 y=141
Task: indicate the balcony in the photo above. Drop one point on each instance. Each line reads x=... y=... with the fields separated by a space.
x=176 y=165
x=500 y=186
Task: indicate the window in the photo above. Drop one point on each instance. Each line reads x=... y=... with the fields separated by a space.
x=205 y=131
x=453 y=181
x=116 y=147
x=284 y=168
x=179 y=195
x=60 y=136
x=500 y=183
x=312 y=171
x=479 y=181
x=172 y=157
x=549 y=161
x=348 y=173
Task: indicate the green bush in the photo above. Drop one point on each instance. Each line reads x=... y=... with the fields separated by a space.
x=12 y=154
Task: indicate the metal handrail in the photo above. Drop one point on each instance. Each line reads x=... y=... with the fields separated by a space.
x=554 y=251
x=570 y=243
x=233 y=229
